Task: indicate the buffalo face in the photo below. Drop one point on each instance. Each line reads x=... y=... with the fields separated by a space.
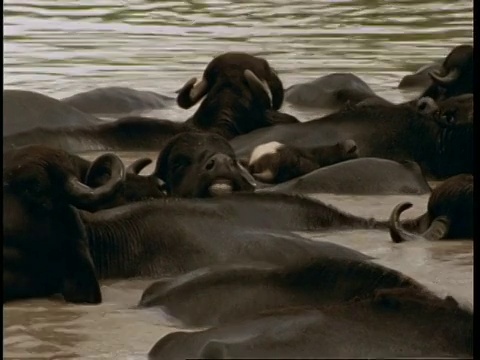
x=44 y=241
x=238 y=88
x=201 y=165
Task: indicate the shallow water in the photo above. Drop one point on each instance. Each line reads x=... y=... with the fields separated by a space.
x=63 y=49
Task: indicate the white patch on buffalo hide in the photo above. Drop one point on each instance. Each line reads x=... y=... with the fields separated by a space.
x=264 y=149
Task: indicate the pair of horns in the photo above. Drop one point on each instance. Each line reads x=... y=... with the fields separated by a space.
x=198 y=90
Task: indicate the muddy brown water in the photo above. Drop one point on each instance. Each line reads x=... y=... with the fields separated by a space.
x=61 y=49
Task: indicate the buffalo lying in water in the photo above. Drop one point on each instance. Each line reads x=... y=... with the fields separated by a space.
x=449 y=213
x=395 y=132
x=241 y=91
x=114 y=100
x=28 y=110
x=327 y=307
x=275 y=163
x=331 y=92
x=421 y=78
x=238 y=88
x=203 y=165
x=52 y=245
x=84 y=178
x=364 y=176
x=455 y=77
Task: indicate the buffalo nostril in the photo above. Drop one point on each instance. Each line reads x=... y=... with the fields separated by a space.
x=210 y=164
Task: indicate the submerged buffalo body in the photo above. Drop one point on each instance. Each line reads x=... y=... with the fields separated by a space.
x=113 y=100
x=420 y=79
x=449 y=213
x=364 y=176
x=397 y=133
x=330 y=92
x=330 y=307
x=275 y=163
x=240 y=93
x=27 y=110
x=50 y=246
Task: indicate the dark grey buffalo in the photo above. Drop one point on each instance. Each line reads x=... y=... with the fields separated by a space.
x=201 y=165
x=364 y=176
x=455 y=76
x=51 y=245
x=115 y=100
x=240 y=93
x=124 y=185
x=398 y=132
x=330 y=92
x=449 y=213
x=420 y=79
x=326 y=308
x=28 y=110
x=276 y=163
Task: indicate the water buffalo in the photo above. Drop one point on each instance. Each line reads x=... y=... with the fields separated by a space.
x=27 y=110
x=242 y=93
x=449 y=213
x=52 y=245
x=455 y=77
x=131 y=133
x=333 y=308
x=330 y=92
x=114 y=100
x=420 y=78
x=395 y=132
x=455 y=110
x=83 y=174
x=364 y=176
x=201 y=165
x=276 y=163
x=238 y=89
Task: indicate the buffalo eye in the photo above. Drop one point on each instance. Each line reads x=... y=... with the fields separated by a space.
x=180 y=163
x=449 y=117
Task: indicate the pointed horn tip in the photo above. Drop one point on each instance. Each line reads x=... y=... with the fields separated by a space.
x=190 y=82
x=250 y=76
x=394 y=219
x=138 y=165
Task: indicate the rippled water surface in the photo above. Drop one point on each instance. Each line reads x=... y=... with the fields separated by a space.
x=61 y=48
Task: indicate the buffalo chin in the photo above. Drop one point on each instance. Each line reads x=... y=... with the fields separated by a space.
x=220 y=187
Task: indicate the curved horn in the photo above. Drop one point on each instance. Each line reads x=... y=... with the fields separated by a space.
x=191 y=93
x=426 y=105
x=83 y=196
x=138 y=165
x=447 y=79
x=438 y=229
x=258 y=86
x=397 y=233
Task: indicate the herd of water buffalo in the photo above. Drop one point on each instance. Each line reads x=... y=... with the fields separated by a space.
x=214 y=223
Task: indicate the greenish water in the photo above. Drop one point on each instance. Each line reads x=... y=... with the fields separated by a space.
x=61 y=48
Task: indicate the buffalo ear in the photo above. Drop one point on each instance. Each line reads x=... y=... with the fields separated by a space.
x=276 y=88
x=80 y=284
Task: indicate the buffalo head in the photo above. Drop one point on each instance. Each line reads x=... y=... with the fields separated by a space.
x=201 y=165
x=239 y=88
x=45 y=247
